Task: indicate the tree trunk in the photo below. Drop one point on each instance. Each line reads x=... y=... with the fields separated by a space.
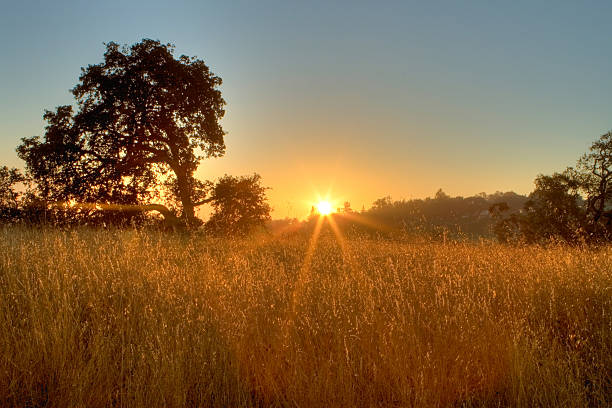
x=186 y=196
x=170 y=219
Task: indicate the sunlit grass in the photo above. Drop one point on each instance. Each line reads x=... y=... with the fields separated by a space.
x=127 y=318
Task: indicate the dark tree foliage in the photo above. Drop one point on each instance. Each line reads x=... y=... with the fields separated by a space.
x=594 y=173
x=573 y=206
x=507 y=226
x=145 y=119
x=10 y=209
x=62 y=170
x=554 y=211
x=555 y=208
x=239 y=205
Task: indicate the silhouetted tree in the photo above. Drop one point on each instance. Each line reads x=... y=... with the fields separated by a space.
x=507 y=226
x=571 y=206
x=239 y=204
x=594 y=172
x=143 y=117
x=10 y=206
x=346 y=208
x=381 y=203
x=441 y=195
x=555 y=208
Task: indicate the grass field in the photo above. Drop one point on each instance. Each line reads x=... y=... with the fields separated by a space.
x=92 y=318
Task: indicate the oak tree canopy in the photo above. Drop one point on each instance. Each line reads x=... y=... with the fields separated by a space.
x=144 y=122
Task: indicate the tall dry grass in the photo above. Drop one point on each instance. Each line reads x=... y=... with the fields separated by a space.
x=126 y=318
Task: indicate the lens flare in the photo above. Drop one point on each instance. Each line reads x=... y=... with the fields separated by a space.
x=324 y=207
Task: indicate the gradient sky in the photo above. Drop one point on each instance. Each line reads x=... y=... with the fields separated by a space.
x=367 y=99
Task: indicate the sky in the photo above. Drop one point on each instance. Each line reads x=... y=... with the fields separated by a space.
x=355 y=100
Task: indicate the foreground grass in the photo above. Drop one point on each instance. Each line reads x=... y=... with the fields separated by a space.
x=126 y=318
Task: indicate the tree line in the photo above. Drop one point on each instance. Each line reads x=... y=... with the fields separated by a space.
x=144 y=121
x=439 y=217
x=572 y=206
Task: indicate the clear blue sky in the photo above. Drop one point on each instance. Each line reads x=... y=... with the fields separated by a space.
x=363 y=98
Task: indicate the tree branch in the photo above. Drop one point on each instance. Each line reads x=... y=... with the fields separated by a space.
x=208 y=200
x=169 y=216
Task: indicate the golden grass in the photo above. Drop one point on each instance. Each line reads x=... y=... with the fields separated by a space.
x=92 y=318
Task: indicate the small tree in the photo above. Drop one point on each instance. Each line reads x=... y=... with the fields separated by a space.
x=555 y=208
x=382 y=203
x=507 y=226
x=239 y=204
x=9 y=196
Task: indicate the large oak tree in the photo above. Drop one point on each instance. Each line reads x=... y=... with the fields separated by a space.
x=144 y=121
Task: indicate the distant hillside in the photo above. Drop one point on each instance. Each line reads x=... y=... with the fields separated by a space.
x=437 y=217
x=443 y=213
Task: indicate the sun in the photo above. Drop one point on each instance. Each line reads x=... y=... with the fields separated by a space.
x=324 y=207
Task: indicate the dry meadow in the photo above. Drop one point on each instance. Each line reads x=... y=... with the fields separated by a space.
x=126 y=318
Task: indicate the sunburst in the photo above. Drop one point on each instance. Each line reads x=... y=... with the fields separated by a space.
x=324 y=208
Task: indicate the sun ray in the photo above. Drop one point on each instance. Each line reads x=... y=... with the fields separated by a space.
x=305 y=270
x=365 y=220
x=346 y=255
x=302 y=279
